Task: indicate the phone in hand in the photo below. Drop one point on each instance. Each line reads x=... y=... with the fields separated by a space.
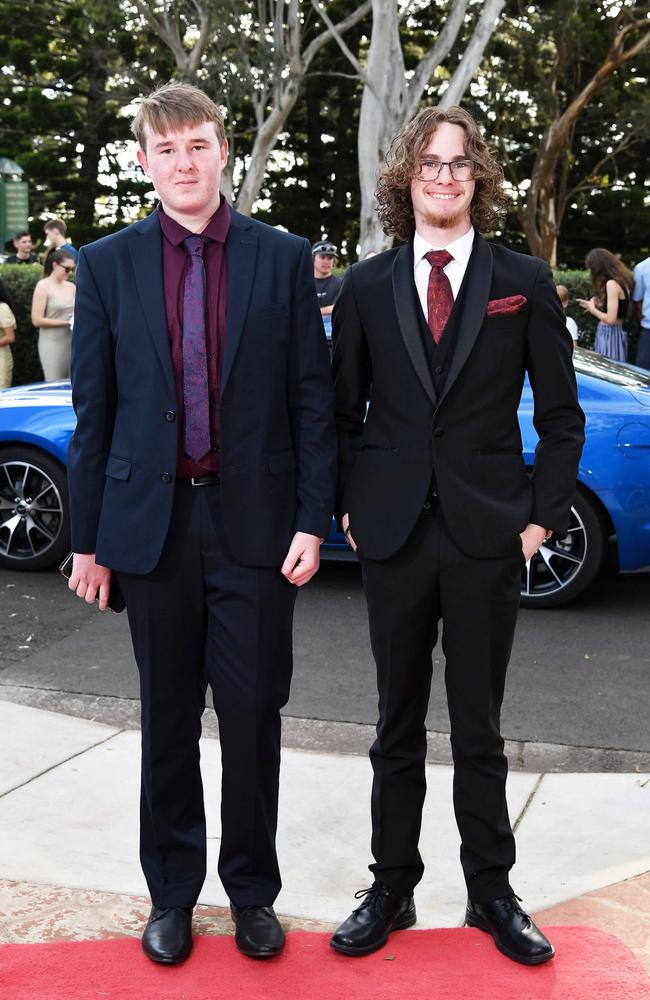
x=116 y=600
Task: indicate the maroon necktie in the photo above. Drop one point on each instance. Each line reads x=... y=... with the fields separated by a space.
x=196 y=400
x=440 y=298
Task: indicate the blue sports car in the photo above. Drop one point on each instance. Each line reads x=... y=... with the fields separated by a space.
x=610 y=513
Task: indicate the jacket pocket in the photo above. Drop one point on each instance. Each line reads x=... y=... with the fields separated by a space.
x=282 y=461
x=118 y=468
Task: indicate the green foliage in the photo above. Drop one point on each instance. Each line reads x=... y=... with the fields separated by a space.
x=19 y=280
x=579 y=285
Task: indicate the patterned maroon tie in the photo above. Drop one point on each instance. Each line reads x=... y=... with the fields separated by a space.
x=196 y=401
x=440 y=298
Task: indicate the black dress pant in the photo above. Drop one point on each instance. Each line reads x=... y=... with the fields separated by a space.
x=477 y=599
x=200 y=618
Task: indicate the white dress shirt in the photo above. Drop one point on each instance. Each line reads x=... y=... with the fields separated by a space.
x=460 y=249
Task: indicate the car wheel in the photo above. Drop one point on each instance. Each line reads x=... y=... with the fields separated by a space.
x=34 y=529
x=563 y=567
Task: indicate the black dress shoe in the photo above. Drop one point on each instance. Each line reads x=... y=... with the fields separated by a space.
x=257 y=931
x=167 y=937
x=513 y=931
x=367 y=928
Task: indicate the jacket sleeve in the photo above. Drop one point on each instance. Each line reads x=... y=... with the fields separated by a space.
x=352 y=381
x=311 y=404
x=94 y=400
x=557 y=417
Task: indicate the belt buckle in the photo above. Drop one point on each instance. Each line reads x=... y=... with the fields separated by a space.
x=209 y=479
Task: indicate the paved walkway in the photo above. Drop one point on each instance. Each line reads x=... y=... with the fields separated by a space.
x=68 y=824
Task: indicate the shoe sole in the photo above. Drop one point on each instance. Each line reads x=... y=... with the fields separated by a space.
x=259 y=954
x=401 y=924
x=160 y=960
x=534 y=960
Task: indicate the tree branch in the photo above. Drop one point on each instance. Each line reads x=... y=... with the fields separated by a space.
x=435 y=56
x=473 y=52
x=336 y=31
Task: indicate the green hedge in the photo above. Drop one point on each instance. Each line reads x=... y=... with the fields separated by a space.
x=580 y=287
x=19 y=280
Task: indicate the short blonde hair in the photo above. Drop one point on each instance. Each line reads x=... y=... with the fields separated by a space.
x=174 y=106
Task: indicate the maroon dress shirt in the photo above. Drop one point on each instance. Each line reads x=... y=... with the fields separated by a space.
x=174 y=258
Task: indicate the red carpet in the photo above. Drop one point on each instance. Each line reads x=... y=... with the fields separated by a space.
x=418 y=965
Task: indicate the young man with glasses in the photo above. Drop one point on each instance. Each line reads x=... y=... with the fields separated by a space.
x=434 y=495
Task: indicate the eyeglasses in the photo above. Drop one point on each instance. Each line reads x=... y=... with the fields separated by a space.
x=68 y=270
x=460 y=170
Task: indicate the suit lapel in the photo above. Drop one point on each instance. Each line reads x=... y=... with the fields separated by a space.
x=406 y=305
x=241 y=257
x=478 y=278
x=145 y=250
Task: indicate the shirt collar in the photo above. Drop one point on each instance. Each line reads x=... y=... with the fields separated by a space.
x=460 y=248
x=216 y=229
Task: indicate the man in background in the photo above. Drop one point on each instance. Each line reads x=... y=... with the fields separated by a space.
x=56 y=233
x=328 y=285
x=641 y=295
x=23 y=245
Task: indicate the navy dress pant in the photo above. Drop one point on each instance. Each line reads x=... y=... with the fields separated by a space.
x=200 y=618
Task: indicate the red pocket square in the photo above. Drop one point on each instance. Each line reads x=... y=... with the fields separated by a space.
x=506 y=307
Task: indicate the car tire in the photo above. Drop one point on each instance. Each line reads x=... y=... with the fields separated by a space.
x=34 y=518
x=564 y=567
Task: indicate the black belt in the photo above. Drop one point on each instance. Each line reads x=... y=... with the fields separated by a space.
x=208 y=479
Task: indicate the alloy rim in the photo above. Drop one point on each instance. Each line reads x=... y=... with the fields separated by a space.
x=31 y=511
x=557 y=562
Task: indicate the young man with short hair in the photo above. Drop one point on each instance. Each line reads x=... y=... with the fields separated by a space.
x=23 y=244
x=202 y=480
x=328 y=285
x=56 y=232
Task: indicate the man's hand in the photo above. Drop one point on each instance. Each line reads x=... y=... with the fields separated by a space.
x=88 y=579
x=531 y=538
x=303 y=558
x=345 y=522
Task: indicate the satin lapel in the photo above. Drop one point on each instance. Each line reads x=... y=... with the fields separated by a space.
x=145 y=250
x=241 y=258
x=478 y=279
x=406 y=305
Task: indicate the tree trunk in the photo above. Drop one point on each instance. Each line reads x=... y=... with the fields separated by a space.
x=379 y=119
x=265 y=139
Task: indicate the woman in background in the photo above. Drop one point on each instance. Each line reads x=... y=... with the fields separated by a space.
x=52 y=307
x=613 y=282
x=7 y=337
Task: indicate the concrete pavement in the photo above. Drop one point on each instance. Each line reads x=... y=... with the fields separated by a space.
x=68 y=825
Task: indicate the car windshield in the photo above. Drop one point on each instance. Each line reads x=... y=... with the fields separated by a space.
x=589 y=363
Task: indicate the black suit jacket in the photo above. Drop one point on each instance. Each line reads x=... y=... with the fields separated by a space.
x=278 y=450
x=467 y=432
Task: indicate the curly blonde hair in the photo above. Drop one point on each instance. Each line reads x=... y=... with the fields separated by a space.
x=393 y=191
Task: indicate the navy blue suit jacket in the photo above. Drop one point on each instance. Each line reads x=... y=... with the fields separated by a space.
x=278 y=451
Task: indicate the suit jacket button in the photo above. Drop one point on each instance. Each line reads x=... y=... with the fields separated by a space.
x=170 y=416
x=166 y=477
x=438 y=432
x=439 y=370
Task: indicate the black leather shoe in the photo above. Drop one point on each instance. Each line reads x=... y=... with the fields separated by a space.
x=167 y=937
x=257 y=931
x=513 y=931
x=367 y=928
